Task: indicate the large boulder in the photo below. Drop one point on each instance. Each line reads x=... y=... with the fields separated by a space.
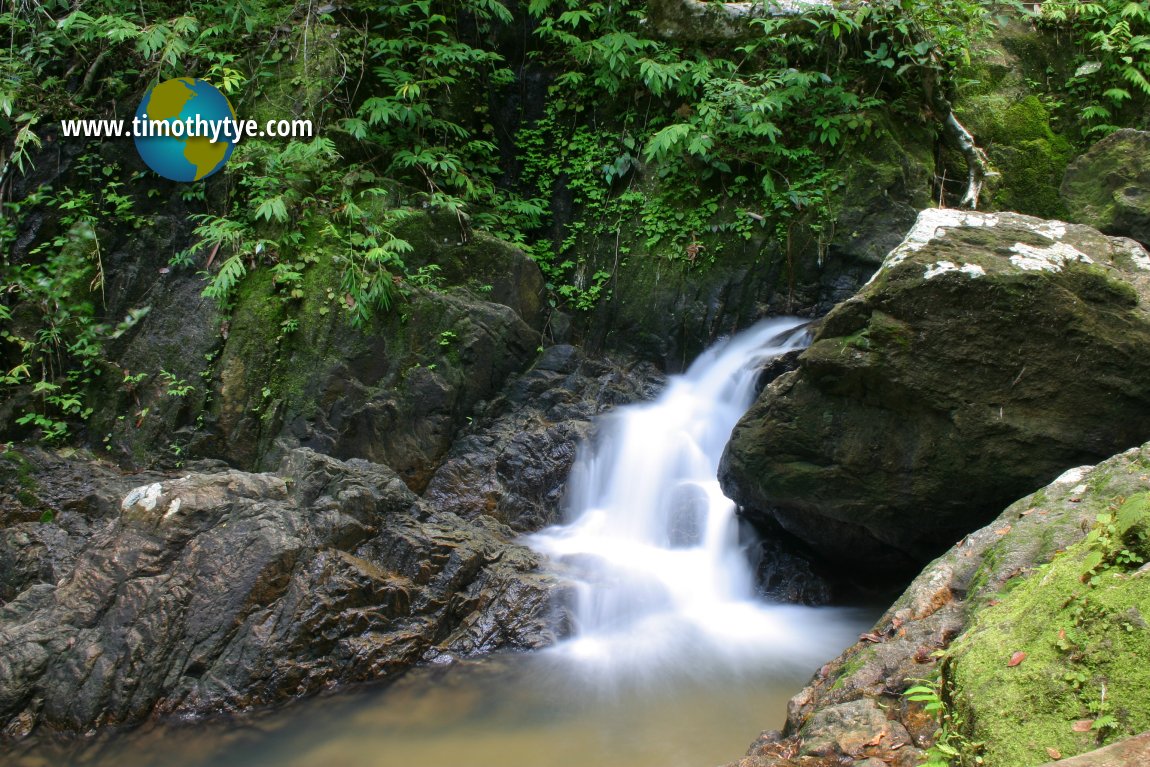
x=221 y=590
x=1021 y=626
x=988 y=352
x=1109 y=186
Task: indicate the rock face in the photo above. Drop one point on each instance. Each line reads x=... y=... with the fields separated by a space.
x=395 y=392
x=223 y=590
x=976 y=605
x=664 y=309
x=989 y=352
x=514 y=463
x=1109 y=186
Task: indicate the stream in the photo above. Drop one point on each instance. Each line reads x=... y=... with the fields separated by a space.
x=674 y=661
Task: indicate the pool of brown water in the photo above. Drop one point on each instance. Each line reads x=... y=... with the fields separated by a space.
x=536 y=710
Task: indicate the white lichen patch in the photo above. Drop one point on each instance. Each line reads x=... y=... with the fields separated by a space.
x=932 y=224
x=1049 y=259
x=942 y=267
x=1140 y=259
x=144 y=497
x=1073 y=476
x=173 y=508
x=1055 y=230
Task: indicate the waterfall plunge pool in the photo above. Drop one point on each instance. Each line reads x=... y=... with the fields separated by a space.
x=674 y=663
x=504 y=711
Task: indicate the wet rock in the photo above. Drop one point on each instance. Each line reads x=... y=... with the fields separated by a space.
x=514 y=463
x=1109 y=186
x=782 y=575
x=850 y=730
x=224 y=590
x=50 y=505
x=989 y=352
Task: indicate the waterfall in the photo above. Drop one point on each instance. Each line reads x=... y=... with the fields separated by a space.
x=653 y=542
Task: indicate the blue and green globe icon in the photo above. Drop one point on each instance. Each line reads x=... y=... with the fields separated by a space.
x=178 y=156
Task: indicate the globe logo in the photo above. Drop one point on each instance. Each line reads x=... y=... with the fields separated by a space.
x=183 y=149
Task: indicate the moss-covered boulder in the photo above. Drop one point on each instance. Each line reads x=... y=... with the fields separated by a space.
x=1109 y=186
x=1059 y=660
x=988 y=353
x=293 y=372
x=1018 y=628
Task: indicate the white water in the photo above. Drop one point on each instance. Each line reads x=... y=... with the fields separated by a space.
x=675 y=663
x=653 y=542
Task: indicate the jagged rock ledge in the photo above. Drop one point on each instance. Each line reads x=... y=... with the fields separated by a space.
x=224 y=590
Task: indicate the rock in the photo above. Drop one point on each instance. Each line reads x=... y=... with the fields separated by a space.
x=850 y=730
x=1058 y=658
x=1134 y=750
x=224 y=590
x=983 y=596
x=514 y=463
x=988 y=353
x=50 y=505
x=782 y=575
x=395 y=392
x=1108 y=188
x=1027 y=146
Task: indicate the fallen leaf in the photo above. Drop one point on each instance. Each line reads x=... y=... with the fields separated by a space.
x=1076 y=500
x=1028 y=512
x=1054 y=753
x=1002 y=530
x=1017 y=658
x=875 y=638
x=1082 y=725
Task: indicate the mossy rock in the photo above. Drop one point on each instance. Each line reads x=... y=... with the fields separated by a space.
x=663 y=306
x=1000 y=104
x=295 y=372
x=1109 y=186
x=1018 y=585
x=1060 y=659
x=990 y=352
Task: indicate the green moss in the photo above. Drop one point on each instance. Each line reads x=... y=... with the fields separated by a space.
x=888 y=331
x=853 y=665
x=1032 y=172
x=1087 y=658
x=1015 y=130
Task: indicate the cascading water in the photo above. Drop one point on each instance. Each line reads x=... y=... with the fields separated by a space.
x=675 y=664
x=654 y=542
